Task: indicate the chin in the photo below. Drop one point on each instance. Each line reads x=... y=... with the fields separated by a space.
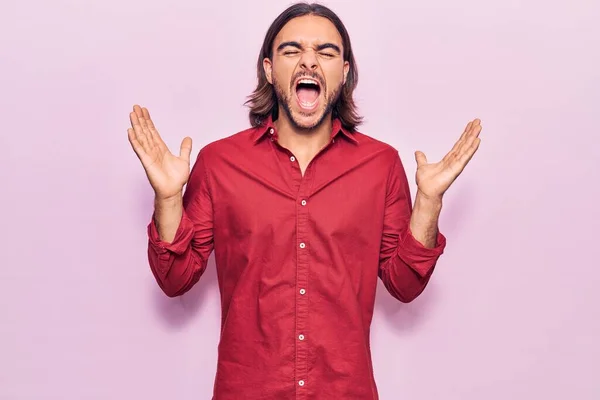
x=308 y=120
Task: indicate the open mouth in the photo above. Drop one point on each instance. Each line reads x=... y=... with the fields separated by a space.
x=307 y=92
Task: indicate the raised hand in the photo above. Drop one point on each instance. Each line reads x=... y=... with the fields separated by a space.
x=167 y=173
x=434 y=179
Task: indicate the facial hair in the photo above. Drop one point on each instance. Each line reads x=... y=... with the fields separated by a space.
x=285 y=103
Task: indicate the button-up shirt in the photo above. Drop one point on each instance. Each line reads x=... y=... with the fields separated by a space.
x=298 y=257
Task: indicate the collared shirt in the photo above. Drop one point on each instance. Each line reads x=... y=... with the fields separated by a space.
x=298 y=259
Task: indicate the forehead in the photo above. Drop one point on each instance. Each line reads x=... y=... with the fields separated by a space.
x=309 y=30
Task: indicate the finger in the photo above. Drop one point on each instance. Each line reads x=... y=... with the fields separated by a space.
x=135 y=144
x=470 y=128
x=146 y=115
x=474 y=130
x=464 y=134
x=420 y=158
x=186 y=149
x=470 y=136
x=138 y=111
x=466 y=130
x=154 y=135
x=139 y=131
x=145 y=128
x=137 y=147
x=475 y=127
x=460 y=141
x=468 y=154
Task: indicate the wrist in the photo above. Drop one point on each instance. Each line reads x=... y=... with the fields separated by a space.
x=168 y=202
x=428 y=203
x=424 y=219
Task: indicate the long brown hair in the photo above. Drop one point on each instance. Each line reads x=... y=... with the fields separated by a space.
x=263 y=101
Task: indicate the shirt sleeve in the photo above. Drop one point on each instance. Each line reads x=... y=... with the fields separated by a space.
x=177 y=266
x=405 y=264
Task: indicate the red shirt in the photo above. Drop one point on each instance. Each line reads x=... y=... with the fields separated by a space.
x=297 y=258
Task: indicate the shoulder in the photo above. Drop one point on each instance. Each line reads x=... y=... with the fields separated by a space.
x=369 y=145
x=237 y=143
x=383 y=154
x=213 y=157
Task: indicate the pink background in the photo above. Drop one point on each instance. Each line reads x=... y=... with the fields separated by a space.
x=513 y=309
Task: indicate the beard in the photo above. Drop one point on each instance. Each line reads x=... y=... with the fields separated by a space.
x=285 y=102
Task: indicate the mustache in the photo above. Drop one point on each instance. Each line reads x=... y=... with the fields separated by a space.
x=312 y=75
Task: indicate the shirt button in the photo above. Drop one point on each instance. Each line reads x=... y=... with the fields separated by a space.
x=301 y=337
x=302 y=291
x=303 y=202
x=301 y=383
x=302 y=245
x=292 y=158
x=271 y=131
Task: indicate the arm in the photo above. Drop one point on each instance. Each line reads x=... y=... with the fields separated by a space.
x=411 y=242
x=180 y=235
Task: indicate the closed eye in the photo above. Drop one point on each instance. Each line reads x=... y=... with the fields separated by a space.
x=328 y=50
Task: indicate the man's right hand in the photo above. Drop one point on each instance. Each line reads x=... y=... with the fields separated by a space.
x=166 y=172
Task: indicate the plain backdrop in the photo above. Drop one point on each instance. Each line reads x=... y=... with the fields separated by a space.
x=512 y=311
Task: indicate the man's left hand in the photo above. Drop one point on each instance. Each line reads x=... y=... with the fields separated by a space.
x=433 y=179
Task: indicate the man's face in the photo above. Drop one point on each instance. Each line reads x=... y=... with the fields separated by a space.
x=307 y=70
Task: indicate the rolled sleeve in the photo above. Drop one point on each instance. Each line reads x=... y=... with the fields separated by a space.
x=418 y=257
x=181 y=241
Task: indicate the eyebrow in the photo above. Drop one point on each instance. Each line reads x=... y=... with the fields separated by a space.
x=319 y=47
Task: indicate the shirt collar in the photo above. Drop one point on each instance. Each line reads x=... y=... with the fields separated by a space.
x=267 y=128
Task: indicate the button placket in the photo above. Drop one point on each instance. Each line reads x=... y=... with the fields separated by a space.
x=302 y=273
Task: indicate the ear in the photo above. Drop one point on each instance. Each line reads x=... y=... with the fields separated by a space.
x=268 y=68
x=346 y=69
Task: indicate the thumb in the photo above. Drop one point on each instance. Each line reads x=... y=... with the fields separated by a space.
x=420 y=158
x=186 y=149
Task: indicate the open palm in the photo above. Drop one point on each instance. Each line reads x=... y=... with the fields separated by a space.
x=167 y=173
x=433 y=179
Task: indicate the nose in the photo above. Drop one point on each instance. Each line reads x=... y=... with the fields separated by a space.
x=309 y=60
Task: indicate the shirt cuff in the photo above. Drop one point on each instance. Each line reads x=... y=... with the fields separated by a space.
x=183 y=237
x=420 y=258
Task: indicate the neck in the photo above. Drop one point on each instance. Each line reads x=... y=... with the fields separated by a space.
x=304 y=143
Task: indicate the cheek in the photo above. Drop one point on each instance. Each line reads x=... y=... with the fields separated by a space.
x=334 y=74
x=334 y=80
x=282 y=72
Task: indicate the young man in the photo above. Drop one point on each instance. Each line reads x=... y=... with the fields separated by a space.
x=304 y=214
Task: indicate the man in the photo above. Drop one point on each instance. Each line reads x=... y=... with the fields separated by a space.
x=304 y=214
